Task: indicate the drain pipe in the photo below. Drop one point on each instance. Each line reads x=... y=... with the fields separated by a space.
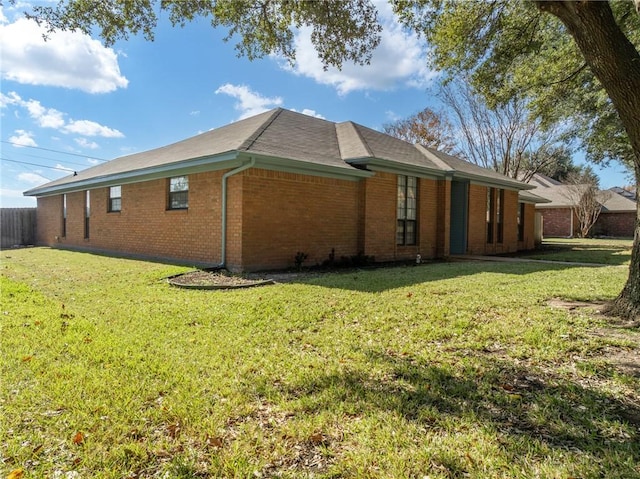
x=223 y=232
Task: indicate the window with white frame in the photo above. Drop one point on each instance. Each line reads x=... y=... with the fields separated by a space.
x=115 y=199
x=178 y=193
x=407 y=205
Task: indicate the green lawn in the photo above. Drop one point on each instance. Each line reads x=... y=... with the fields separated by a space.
x=444 y=370
x=585 y=250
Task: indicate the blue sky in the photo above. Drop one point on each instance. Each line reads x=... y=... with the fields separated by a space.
x=70 y=102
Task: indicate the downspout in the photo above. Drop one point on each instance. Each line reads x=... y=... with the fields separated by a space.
x=223 y=232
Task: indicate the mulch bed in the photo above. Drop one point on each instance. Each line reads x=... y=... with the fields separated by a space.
x=216 y=280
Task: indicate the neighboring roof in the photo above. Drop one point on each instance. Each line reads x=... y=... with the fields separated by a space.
x=529 y=197
x=627 y=192
x=539 y=179
x=283 y=140
x=566 y=196
x=559 y=196
x=615 y=203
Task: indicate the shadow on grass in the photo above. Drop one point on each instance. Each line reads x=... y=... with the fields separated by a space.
x=523 y=410
x=376 y=280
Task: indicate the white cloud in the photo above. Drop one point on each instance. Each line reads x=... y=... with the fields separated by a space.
x=66 y=59
x=309 y=112
x=93 y=161
x=249 y=102
x=33 y=178
x=52 y=118
x=22 y=138
x=45 y=117
x=91 y=128
x=84 y=143
x=64 y=168
x=400 y=59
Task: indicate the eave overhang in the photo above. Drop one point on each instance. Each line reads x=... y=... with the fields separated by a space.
x=388 y=166
x=506 y=183
x=196 y=165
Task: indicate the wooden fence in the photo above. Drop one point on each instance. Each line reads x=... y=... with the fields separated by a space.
x=17 y=227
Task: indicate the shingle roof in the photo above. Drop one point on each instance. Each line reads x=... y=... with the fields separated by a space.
x=615 y=203
x=279 y=138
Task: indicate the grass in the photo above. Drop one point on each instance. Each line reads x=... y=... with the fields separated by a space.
x=585 y=250
x=443 y=370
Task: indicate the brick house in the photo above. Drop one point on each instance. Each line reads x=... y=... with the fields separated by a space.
x=617 y=214
x=251 y=194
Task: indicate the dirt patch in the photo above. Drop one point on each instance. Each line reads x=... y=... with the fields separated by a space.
x=625 y=360
x=595 y=307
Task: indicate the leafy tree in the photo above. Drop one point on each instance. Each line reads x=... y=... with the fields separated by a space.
x=560 y=54
x=425 y=127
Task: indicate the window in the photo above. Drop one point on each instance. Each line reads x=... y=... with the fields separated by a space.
x=500 y=214
x=406 y=231
x=64 y=216
x=521 y=222
x=178 y=193
x=115 y=199
x=491 y=198
x=87 y=213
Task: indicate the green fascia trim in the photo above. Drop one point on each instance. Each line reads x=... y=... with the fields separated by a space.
x=388 y=166
x=307 y=168
x=198 y=165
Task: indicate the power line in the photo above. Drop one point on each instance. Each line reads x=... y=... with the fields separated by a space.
x=67 y=162
x=54 y=151
x=35 y=164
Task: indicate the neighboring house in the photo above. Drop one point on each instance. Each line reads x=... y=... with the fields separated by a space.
x=617 y=214
x=252 y=194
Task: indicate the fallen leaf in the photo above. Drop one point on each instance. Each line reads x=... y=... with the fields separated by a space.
x=16 y=474
x=214 y=441
x=409 y=294
x=316 y=438
x=78 y=438
x=26 y=359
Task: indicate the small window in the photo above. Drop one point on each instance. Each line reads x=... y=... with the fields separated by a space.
x=115 y=199
x=491 y=211
x=179 y=193
x=87 y=213
x=407 y=205
x=521 y=222
x=500 y=215
x=64 y=216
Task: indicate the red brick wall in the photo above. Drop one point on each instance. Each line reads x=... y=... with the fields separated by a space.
x=284 y=213
x=556 y=222
x=528 y=241
x=379 y=204
x=477 y=232
x=272 y=216
x=144 y=226
x=615 y=224
x=49 y=220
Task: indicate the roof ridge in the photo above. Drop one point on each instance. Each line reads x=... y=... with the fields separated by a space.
x=248 y=143
x=434 y=158
x=359 y=136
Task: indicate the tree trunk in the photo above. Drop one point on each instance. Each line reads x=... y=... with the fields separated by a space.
x=616 y=63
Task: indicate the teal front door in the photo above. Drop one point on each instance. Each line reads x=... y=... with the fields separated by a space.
x=459 y=217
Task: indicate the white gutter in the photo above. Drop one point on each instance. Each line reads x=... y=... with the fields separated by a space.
x=223 y=232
